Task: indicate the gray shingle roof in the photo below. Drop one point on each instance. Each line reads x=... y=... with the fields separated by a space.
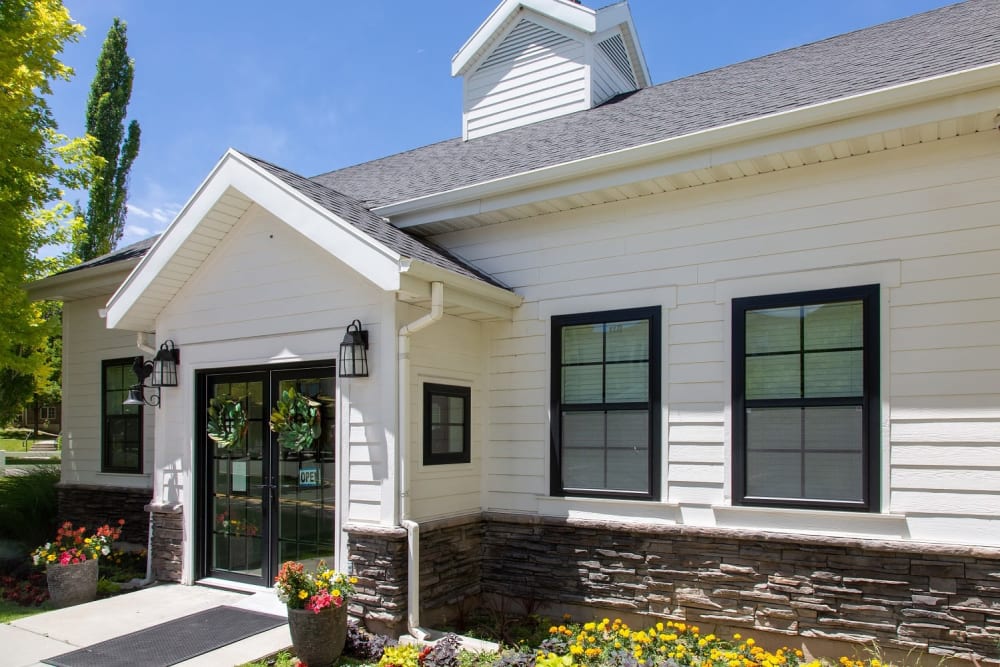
x=137 y=249
x=356 y=214
x=938 y=42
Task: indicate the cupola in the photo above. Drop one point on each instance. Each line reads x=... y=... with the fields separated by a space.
x=537 y=59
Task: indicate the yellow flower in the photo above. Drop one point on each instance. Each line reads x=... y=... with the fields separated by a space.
x=335 y=592
x=303 y=595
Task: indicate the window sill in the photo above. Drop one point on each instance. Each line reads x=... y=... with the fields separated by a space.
x=604 y=509
x=815 y=522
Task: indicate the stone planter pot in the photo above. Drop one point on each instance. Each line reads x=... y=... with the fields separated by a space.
x=72 y=584
x=318 y=639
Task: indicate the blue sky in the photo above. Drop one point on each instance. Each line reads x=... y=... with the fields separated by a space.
x=314 y=85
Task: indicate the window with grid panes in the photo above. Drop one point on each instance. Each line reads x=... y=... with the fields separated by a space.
x=121 y=425
x=606 y=403
x=806 y=399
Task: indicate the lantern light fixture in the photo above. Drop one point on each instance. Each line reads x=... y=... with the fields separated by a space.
x=165 y=365
x=353 y=352
x=163 y=369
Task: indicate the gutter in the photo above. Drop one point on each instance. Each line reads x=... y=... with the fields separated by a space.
x=402 y=463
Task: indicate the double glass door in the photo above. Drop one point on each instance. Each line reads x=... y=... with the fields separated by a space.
x=264 y=504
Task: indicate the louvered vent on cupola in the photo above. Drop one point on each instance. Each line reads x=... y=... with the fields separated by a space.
x=537 y=59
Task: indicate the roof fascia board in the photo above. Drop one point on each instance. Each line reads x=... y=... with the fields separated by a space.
x=366 y=255
x=468 y=200
x=455 y=297
x=362 y=253
x=724 y=153
x=428 y=272
x=580 y=17
x=66 y=286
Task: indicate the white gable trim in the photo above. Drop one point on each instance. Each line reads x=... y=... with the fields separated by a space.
x=563 y=11
x=234 y=179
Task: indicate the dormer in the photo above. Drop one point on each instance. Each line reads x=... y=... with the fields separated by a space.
x=537 y=59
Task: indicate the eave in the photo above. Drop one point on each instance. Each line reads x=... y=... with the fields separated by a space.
x=956 y=103
x=83 y=283
x=233 y=186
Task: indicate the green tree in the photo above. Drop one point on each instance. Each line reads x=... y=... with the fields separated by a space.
x=110 y=93
x=36 y=163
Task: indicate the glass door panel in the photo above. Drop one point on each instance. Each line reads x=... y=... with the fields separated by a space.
x=306 y=480
x=237 y=486
x=265 y=504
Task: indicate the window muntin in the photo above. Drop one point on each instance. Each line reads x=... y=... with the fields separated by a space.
x=605 y=397
x=121 y=425
x=447 y=424
x=805 y=399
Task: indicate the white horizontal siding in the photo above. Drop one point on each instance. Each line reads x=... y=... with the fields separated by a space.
x=929 y=214
x=451 y=351
x=268 y=295
x=540 y=75
x=86 y=343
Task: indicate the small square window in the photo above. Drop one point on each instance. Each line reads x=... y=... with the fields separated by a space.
x=447 y=431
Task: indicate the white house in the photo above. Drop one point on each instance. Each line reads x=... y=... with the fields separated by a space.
x=723 y=349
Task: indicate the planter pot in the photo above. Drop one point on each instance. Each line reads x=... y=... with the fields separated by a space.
x=72 y=584
x=318 y=639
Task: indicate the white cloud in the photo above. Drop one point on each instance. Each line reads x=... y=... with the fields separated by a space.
x=162 y=214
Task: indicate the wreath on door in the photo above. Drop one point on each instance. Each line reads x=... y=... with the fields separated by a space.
x=295 y=419
x=227 y=421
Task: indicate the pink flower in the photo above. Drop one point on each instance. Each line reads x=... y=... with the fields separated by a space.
x=319 y=602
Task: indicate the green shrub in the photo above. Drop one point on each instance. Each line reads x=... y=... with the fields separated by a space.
x=28 y=506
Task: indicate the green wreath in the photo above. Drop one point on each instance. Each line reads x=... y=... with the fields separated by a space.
x=295 y=419
x=227 y=421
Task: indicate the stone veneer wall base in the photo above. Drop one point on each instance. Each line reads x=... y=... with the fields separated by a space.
x=168 y=541
x=902 y=596
x=93 y=506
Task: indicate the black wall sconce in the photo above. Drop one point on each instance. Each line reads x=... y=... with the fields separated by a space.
x=353 y=352
x=163 y=369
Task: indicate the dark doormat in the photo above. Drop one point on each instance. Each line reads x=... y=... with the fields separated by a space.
x=172 y=642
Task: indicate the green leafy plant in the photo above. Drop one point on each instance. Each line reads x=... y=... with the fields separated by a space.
x=28 y=506
x=295 y=419
x=227 y=421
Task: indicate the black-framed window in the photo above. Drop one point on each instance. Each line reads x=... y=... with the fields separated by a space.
x=447 y=424
x=806 y=399
x=121 y=425
x=606 y=404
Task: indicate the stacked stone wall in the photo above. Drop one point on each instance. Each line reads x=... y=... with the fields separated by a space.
x=168 y=542
x=93 y=506
x=450 y=568
x=931 y=598
x=378 y=559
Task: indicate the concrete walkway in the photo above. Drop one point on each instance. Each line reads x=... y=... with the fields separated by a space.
x=26 y=642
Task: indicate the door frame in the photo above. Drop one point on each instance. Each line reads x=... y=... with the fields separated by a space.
x=201 y=465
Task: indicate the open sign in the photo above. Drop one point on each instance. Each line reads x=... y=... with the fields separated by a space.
x=309 y=477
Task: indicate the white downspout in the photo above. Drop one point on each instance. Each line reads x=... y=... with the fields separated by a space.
x=140 y=342
x=402 y=453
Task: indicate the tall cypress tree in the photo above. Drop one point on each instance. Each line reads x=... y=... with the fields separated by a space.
x=109 y=97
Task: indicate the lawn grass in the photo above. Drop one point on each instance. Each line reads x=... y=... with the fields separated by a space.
x=10 y=611
x=12 y=440
x=30 y=461
x=13 y=444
